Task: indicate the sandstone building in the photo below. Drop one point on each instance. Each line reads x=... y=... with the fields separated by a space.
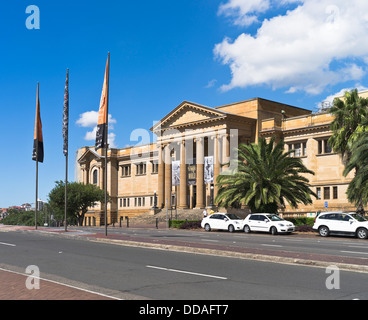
x=193 y=140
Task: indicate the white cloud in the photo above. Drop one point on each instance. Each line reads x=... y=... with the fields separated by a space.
x=339 y=94
x=211 y=83
x=244 y=12
x=317 y=44
x=89 y=120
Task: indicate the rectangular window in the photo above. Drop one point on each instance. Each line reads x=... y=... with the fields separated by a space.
x=141 y=169
x=125 y=170
x=324 y=147
x=335 y=193
x=320 y=147
x=319 y=193
x=327 y=146
x=154 y=167
x=326 y=193
x=298 y=150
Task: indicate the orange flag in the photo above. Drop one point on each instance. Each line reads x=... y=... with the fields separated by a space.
x=101 y=134
x=38 y=139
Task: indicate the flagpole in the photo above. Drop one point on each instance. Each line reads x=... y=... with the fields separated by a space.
x=37 y=127
x=106 y=135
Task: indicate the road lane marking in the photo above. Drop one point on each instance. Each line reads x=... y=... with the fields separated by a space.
x=354 y=252
x=210 y=240
x=187 y=272
x=272 y=245
x=8 y=244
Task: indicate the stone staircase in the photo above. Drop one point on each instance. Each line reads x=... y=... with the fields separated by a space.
x=181 y=214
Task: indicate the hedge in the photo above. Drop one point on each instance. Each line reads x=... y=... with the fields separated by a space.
x=185 y=224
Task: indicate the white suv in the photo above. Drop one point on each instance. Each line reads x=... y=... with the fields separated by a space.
x=267 y=222
x=342 y=223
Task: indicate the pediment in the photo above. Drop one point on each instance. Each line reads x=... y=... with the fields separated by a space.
x=89 y=155
x=188 y=113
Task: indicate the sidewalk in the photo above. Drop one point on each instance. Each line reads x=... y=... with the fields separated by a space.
x=15 y=289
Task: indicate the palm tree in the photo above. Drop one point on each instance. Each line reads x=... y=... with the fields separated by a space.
x=358 y=188
x=347 y=125
x=265 y=178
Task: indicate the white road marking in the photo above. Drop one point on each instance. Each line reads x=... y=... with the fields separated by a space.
x=272 y=245
x=187 y=272
x=8 y=244
x=60 y=283
x=354 y=252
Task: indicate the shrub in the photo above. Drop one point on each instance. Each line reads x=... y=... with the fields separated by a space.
x=301 y=221
x=191 y=225
x=185 y=224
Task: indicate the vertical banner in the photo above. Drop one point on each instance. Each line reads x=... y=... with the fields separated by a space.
x=208 y=169
x=175 y=165
x=191 y=173
x=101 y=134
x=66 y=114
x=38 y=139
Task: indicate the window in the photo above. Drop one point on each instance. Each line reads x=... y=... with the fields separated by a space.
x=94 y=176
x=300 y=149
x=335 y=193
x=324 y=147
x=326 y=193
x=126 y=170
x=319 y=196
x=154 y=167
x=141 y=168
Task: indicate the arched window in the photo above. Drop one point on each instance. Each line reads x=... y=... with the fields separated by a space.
x=94 y=176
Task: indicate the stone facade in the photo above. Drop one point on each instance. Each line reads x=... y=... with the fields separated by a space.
x=198 y=139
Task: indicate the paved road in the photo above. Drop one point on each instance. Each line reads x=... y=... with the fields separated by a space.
x=299 y=243
x=140 y=273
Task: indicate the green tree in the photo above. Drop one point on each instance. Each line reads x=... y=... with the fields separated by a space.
x=358 y=188
x=80 y=197
x=264 y=179
x=347 y=127
x=347 y=124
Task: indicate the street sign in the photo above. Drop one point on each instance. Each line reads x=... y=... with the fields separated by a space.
x=326 y=204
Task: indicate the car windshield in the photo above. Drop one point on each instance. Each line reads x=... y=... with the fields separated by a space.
x=232 y=216
x=358 y=217
x=274 y=217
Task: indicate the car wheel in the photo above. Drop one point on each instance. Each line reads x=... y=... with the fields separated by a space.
x=207 y=227
x=273 y=231
x=362 y=233
x=323 y=231
x=231 y=228
x=246 y=229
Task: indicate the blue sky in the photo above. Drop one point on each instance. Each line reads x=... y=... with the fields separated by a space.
x=298 y=52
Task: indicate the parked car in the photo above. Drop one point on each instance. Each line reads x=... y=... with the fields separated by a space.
x=222 y=221
x=341 y=223
x=267 y=222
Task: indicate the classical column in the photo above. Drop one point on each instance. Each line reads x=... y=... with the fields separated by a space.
x=200 y=172
x=161 y=179
x=183 y=178
x=168 y=173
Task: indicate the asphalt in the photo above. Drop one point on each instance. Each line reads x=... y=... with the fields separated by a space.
x=13 y=283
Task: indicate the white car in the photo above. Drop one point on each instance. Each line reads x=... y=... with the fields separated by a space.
x=342 y=223
x=267 y=222
x=222 y=221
